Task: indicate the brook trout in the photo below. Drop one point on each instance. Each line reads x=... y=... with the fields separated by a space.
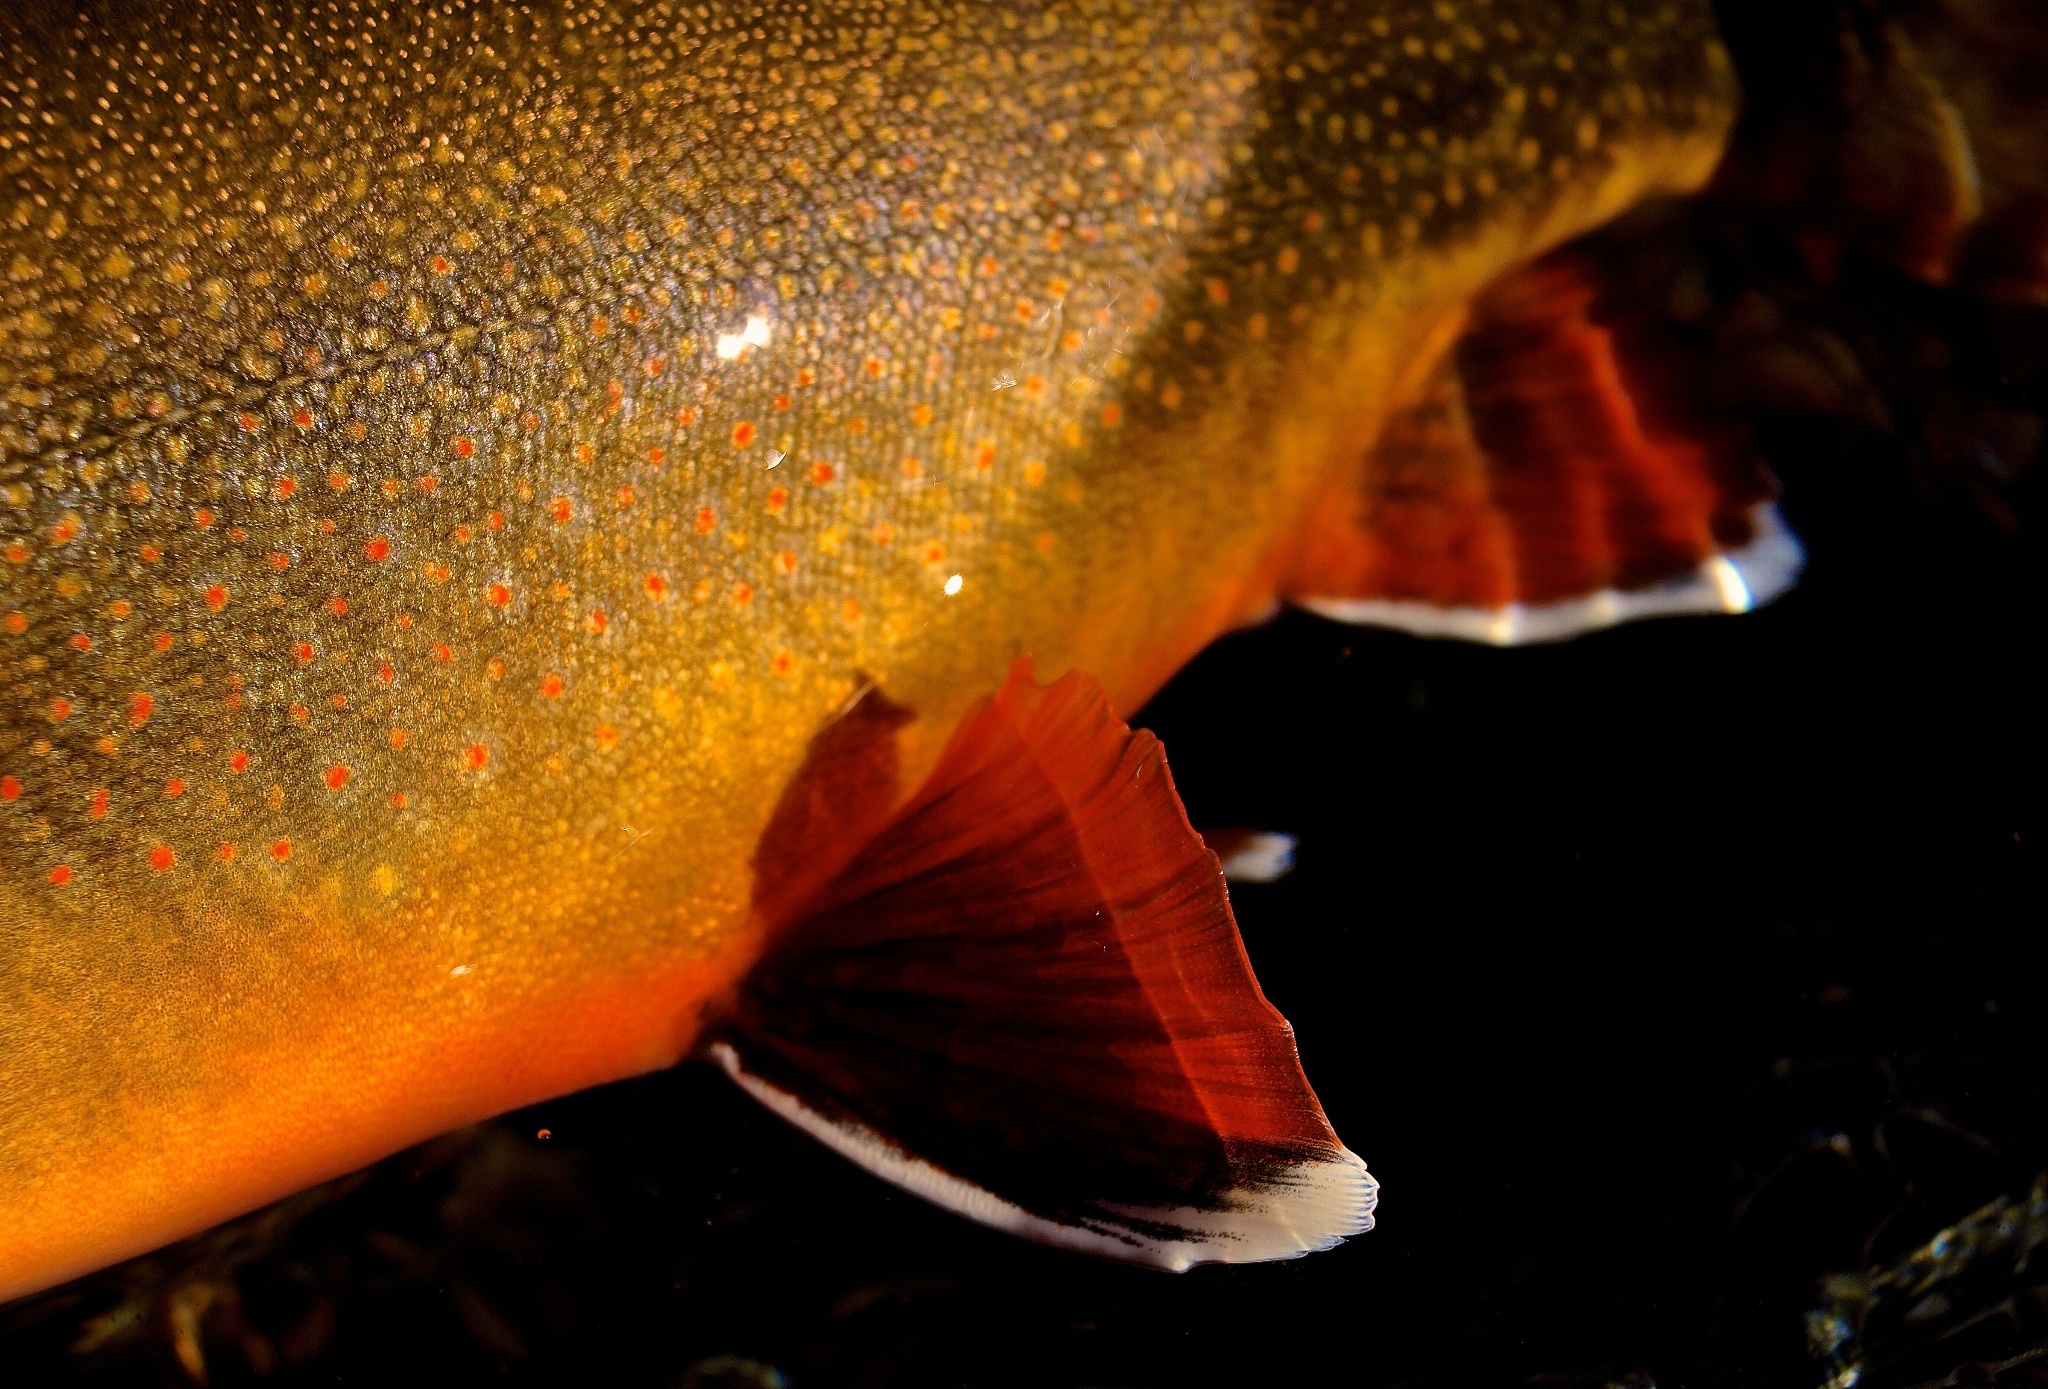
x=519 y=524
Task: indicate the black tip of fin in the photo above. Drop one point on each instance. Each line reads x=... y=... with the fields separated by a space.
x=1023 y=998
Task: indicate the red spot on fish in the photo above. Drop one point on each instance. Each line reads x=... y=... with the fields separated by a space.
x=607 y=737
x=300 y=714
x=657 y=455
x=475 y=757
x=17 y=553
x=150 y=554
x=225 y=853
x=625 y=497
x=60 y=875
x=60 y=709
x=884 y=533
x=174 y=787
x=238 y=761
x=657 y=587
x=785 y=561
x=302 y=651
x=559 y=510
x=385 y=674
x=496 y=520
x=17 y=623
x=1218 y=291
x=781 y=663
x=80 y=642
x=822 y=473
x=782 y=400
x=303 y=418
x=935 y=553
x=280 y=561
x=873 y=367
x=162 y=859
x=441 y=652
x=338 y=481
x=742 y=434
x=338 y=606
x=707 y=519
x=398 y=740
x=203 y=518
x=10 y=789
x=217 y=597
x=337 y=777
x=377 y=549
x=281 y=850
x=743 y=592
x=778 y=498
x=1112 y=416
x=163 y=641
x=399 y=800
x=494 y=668
x=857 y=425
x=429 y=483
x=463 y=446
x=140 y=707
x=247 y=422
x=96 y=808
x=850 y=610
x=551 y=686
x=498 y=596
x=985 y=454
x=685 y=417
x=440 y=265
x=597 y=622
x=654 y=365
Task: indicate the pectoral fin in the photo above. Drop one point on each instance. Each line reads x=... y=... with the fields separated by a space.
x=1024 y=998
x=1548 y=480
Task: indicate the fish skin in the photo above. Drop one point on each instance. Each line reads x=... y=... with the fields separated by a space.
x=335 y=353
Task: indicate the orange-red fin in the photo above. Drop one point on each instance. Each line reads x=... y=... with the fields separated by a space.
x=1548 y=480
x=1024 y=998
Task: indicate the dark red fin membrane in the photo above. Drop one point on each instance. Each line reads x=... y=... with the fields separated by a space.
x=1549 y=480
x=1024 y=998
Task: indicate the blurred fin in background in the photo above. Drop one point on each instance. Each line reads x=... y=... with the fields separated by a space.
x=1915 y=131
x=1557 y=474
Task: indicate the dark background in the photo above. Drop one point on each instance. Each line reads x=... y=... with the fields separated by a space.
x=1655 y=975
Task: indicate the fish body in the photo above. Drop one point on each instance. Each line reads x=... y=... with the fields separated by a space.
x=454 y=460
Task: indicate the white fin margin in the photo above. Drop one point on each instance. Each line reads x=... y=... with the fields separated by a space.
x=1734 y=582
x=1263 y=857
x=1311 y=1207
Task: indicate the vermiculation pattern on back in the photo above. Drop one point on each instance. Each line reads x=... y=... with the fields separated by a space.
x=452 y=456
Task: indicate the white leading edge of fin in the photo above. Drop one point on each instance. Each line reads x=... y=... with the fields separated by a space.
x=1311 y=1207
x=1734 y=582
